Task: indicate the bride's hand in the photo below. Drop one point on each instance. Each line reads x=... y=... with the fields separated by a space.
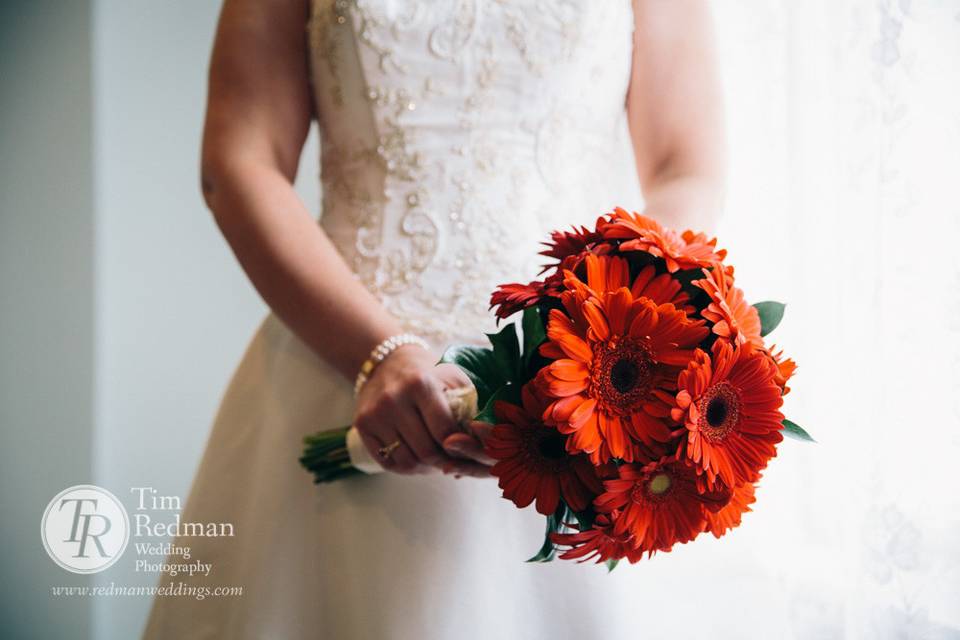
x=470 y=444
x=403 y=402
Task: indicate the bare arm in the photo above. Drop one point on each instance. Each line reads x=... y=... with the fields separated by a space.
x=675 y=112
x=258 y=116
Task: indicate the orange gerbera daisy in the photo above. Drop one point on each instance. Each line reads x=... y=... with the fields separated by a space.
x=785 y=368
x=616 y=358
x=598 y=542
x=688 y=250
x=658 y=503
x=609 y=273
x=730 y=407
x=732 y=317
x=728 y=517
x=533 y=462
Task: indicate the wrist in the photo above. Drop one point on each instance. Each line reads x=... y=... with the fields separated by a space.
x=381 y=352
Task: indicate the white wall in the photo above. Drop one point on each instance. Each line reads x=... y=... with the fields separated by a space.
x=46 y=300
x=123 y=311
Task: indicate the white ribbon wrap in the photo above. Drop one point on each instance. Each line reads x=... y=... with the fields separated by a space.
x=463 y=405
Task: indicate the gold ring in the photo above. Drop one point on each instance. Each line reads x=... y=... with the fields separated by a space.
x=386 y=451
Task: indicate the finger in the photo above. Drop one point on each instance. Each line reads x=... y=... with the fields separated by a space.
x=399 y=460
x=414 y=432
x=466 y=468
x=435 y=411
x=452 y=376
x=481 y=430
x=463 y=445
x=377 y=433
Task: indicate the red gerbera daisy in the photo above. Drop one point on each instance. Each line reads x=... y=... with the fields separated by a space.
x=730 y=407
x=658 y=503
x=514 y=296
x=615 y=365
x=533 y=462
x=568 y=243
x=688 y=250
x=728 y=517
x=733 y=317
x=598 y=542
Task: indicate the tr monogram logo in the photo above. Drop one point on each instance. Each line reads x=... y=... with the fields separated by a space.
x=85 y=529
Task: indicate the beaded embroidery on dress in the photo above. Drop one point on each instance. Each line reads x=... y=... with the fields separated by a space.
x=455 y=134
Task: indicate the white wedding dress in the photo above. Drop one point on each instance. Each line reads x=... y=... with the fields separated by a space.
x=455 y=135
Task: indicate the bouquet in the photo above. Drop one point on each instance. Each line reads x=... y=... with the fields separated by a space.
x=638 y=404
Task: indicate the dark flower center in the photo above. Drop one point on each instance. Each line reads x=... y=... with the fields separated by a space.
x=719 y=411
x=552 y=446
x=544 y=450
x=716 y=412
x=623 y=375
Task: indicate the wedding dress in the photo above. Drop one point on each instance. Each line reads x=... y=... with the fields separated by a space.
x=455 y=135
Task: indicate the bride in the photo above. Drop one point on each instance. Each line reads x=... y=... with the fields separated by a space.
x=455 y=135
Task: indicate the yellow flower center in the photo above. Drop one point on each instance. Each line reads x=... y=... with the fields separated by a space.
x=659 y=484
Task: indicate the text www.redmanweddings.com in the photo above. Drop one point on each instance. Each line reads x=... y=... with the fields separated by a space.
x=172 y=589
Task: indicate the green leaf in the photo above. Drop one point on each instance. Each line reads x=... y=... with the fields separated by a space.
x=548 y=550
x=795 y=431
x=480 y=366
x=585 y=518
x=611 y=564
x=506 y=351
x=533 y=333
x=505 y=393
x=771 y=313
x=554 y=522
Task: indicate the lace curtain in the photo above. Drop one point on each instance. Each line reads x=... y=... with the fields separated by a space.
x=845 y=165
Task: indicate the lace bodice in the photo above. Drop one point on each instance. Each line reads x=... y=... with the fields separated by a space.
x=456 y=134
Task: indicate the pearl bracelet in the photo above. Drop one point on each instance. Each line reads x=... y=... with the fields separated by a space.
x=380 y=353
